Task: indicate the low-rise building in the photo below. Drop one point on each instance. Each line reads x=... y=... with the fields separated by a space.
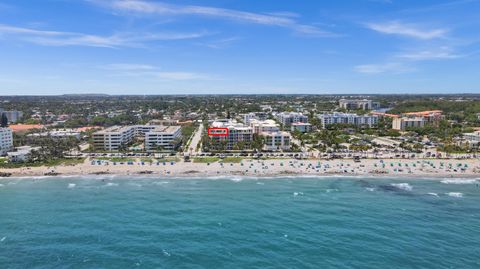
x=347 y=118
x=274 y=141
x=21 y=154
x=403 y=123
x=472 y=138
x=287 y=118
x=301 y=127
x=56 y=134
x=163 y=137
x=6 y=140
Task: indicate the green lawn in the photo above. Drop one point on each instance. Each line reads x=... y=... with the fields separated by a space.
x=143 y=159
x=167 y=159
x=56 y=162
x=115 y=159
x=205 y=159
x=233 y=159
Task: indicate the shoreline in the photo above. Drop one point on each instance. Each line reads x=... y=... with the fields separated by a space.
x=374 y=168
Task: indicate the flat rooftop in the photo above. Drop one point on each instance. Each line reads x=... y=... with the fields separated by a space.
x=114 y=129
x=165 y=129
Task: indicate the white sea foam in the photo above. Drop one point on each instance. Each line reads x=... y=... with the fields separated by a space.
x=459 y=181
x=160 y=182
x=370 y=189
x=330 y=190
x=433 y=194
x=166 y=253
x=3 y=239
x=402 y=186
x=455 y=194
x=236 y=179
x=110 y=184
x=297 y=193
x=71 y=185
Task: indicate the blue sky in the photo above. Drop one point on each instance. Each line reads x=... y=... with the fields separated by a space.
x=239 y=46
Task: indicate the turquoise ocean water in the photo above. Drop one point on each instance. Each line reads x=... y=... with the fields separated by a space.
x=239 y=223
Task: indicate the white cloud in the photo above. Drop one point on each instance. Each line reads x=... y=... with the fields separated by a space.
x=8 y=29
x=160 y=8
x=443 y=53
x=57 y=38
x=180 y=76
x=220 y=43
x=150 y=71
x=128 y=67
x=383 y=68
x=409 y=30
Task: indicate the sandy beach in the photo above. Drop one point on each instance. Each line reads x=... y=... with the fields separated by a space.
x=445 y=168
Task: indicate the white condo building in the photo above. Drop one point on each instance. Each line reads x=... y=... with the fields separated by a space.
x=164 y=137
x=254 y=116
x=115 y=137
x=237 y=132
x=276 y=140
x=356 y=104
x=403 y=123
x=347 y=118
x=260 y=126
x=287 y=118
x=6 y=140
x=472 y=138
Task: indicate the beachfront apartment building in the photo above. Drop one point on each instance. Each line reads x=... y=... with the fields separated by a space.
x=21 y=154
x=6 y=140
x=274 y=141
x=347 y=118
x=472 y=138
x=237 y=133
x=113 y=138
x=404 y=123
x=301 y=127
x=259 y=126
x=273 y=138
x=163 y=137
x=287 y=118
x=155 y=136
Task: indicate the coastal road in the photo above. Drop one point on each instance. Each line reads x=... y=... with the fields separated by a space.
x=197 y=137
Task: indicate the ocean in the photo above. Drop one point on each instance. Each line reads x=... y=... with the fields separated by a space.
x=285 y=222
